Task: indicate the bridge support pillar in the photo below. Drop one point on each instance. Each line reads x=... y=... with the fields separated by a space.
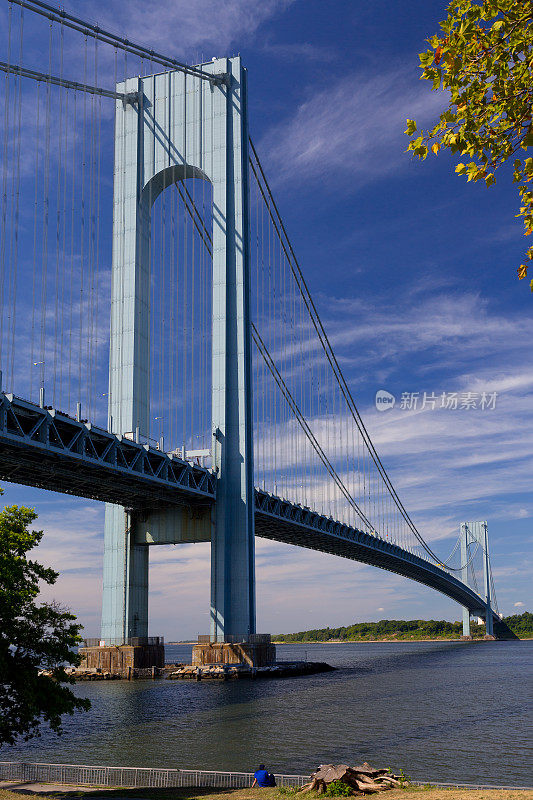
x=173 y=127
x=466 y=624
x=464 y=577
x=125 y=595
x=489 y=626
x=232 y=546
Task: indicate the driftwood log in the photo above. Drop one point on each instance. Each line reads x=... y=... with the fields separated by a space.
x=363 y=779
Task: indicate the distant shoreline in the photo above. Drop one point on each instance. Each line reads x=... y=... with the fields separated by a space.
x=389 y=641
x=401 y=630
x=370 y=641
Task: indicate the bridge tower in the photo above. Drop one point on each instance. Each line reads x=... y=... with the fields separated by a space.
x=176 y=126
x=477 y=532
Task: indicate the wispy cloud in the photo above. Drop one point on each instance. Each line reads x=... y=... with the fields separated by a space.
x=456 y=334
x=301 y=51
x=179 y=27
x=350 y=129
x=473 y=349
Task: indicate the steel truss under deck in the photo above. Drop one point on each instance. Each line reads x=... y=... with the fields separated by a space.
x=45 y=448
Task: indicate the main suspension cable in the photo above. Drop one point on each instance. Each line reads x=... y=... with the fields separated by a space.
x=303 y=423
x=55 y=14
x=326 y=346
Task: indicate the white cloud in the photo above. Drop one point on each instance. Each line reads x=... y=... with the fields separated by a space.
x=461 y=329
x=179 y=27
x=350 y=129
x=471 y=455
x=298 y=51
x=519 y=604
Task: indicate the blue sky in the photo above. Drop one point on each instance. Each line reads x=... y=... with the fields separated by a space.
x=413 y=273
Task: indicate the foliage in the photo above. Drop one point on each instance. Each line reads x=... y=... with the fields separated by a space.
x=404 y=779
x=482 y=57
x=32 y=637
x=338 y=789
x=520 y=624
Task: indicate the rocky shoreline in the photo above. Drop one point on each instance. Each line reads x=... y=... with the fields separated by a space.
x=282 y=669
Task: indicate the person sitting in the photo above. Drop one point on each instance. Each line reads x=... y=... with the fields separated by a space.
x=263 y=778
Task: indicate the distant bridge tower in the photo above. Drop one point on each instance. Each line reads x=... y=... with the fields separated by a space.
x=471 y=533
x=176 y=126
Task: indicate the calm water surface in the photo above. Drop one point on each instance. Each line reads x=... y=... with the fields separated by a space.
x=442 y=711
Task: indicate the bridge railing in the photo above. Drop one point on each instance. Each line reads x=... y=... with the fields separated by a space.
x=251 y=638
x=151 y=777
x=134 y=641
x=155 y=777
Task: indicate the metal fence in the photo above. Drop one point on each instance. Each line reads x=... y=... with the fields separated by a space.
x=250 y=638
x=137 y=777
x=136 y=641
x=84 y=775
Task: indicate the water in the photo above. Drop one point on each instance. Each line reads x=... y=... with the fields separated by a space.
x=442 y=711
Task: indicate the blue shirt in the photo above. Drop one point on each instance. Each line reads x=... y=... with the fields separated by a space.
x=261 y=776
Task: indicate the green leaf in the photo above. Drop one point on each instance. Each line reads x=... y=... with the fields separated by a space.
x=480 y=60
x=34 y=635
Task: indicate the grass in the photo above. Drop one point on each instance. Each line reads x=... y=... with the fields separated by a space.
x=413 y=793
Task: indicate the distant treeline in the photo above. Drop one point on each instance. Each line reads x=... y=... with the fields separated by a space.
x=520 y=624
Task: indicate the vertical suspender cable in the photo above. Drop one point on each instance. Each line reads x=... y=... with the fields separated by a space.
x=81 y=315
x=58 y=226
x=63 y=303
x=18 y=129
x=35 y=234
x=45 y=213
x=5 y=161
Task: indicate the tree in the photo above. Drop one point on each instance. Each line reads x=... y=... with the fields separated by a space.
x=32 y=637
x=483 y=58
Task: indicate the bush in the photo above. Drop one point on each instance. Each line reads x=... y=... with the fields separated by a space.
x=405 y=780
x=338 y=789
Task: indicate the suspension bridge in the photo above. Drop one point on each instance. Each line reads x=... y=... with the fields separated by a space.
x=159 y=346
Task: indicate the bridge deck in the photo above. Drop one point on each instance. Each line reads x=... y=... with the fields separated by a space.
x=44 y=448
x=284 y=522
